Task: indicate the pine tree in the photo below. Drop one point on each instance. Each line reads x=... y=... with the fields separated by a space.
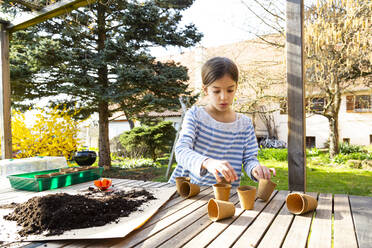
x=99 y=56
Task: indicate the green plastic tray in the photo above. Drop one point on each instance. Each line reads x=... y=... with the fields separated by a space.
x=27 y=181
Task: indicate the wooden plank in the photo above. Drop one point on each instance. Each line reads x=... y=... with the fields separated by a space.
x=154 y=225
x=81 y=187
x=90 y=243
x=361 y=209
x=245 y=220
x=180 y=225
x=19 y=244
x=5 y=119
x=18 y=194
x=208 y=234
x=274 y=237
x=167 y=185
x=177 y=204
x=344 y=234
x=119 y=183
x=299 y=230
x=255 y=232
x=48 y=12
x=321 y=229
x=155 y=184
x=189 y=232
x=296 y=96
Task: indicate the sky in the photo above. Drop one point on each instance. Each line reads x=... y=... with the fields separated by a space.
x=221 y=22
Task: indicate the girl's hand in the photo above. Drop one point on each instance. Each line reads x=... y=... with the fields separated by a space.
x=222 y=166
x=262 y=172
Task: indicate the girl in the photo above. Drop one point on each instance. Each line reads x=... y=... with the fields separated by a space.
x=215 y=141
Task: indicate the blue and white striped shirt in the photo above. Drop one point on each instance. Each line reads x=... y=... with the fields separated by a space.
x=203 y=137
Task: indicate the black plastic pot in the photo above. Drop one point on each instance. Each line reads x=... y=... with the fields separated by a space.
x=85 y=158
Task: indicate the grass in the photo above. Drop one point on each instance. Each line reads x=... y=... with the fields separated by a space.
x=323 y=179
x=320 y=176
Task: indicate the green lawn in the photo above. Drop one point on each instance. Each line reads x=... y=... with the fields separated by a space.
x=320 y=178
x=324 y=179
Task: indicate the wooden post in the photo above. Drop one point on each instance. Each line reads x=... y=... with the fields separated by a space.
x=5 y=121
x=27 y=20
x=59 y=8
x=296 y=96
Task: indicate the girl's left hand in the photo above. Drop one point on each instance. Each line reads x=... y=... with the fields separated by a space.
x=262 y=172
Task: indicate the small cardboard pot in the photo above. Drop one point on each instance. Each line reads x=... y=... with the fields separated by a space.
x=188 y=189
x=298 y=203
x=247 y=196
x=265 y=189
x=179 y=181
x=218 y=210
x=222 y=191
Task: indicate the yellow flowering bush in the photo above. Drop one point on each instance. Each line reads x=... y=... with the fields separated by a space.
x=53 y=134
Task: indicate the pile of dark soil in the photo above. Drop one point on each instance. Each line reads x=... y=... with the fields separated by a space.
x=60 y=212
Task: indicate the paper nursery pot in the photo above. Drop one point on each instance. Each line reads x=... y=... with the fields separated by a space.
x=218 y=210
x=222 y=191
x=298 y=203
x=247 y=196
x=188 y=189
x=265 y=189
x=179 y=181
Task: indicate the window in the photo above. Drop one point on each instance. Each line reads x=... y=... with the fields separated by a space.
x=346 y=140
x=363 y=103
x=359 y=103
x=317 y=104
x=310 y=141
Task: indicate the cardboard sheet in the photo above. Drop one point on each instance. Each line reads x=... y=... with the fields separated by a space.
x=125 y=225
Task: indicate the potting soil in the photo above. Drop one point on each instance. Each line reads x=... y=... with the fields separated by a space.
x=55 y=213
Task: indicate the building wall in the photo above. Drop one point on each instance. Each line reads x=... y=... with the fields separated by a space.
x=355 y=126
x=88 y=135
x=117 y=127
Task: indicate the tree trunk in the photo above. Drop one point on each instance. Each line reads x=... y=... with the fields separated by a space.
x=333 y=136
x=254 y=120
x=103 y=142
x=333 y=124
x=129 y=119
x=103 y=111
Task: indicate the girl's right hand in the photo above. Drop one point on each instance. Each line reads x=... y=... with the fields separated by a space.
x=223 y=167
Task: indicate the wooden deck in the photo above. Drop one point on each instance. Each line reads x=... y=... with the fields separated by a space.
x=339 y=221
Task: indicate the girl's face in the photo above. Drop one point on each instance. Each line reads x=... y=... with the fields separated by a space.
x=221 y=93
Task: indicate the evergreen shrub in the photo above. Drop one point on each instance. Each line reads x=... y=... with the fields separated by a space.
x=154 y=141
